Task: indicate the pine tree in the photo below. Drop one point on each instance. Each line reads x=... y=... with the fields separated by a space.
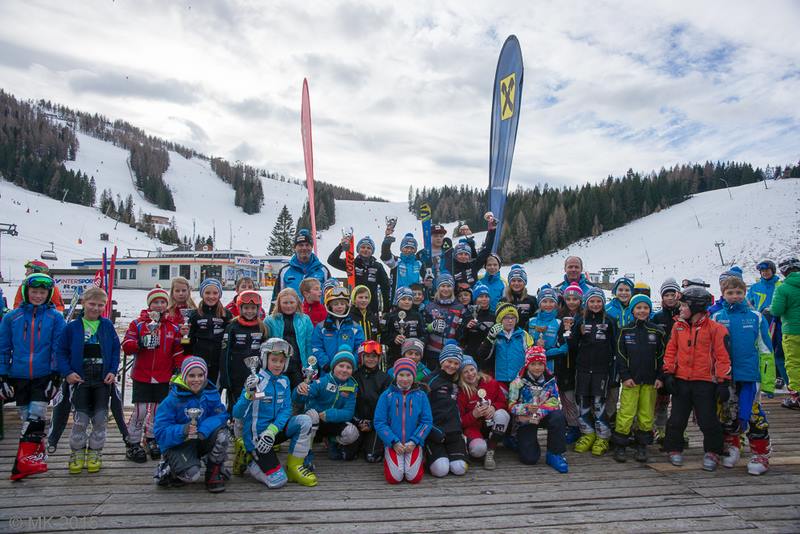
x=281 y=240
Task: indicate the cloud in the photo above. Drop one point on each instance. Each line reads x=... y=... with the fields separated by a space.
x=197 y=135
x=123 y=85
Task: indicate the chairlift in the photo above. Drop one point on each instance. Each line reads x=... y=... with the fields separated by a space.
x=50 y=254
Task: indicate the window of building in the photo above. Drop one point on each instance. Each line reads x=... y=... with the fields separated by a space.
x=186 y=271
x=123 y=274
x=163 y=272
x=132 y=274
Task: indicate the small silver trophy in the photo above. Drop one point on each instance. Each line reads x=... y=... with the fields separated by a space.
x=568 y=322
x=309 y=373
x=391 y=222
x=193 y=414
x=185 y=312
x=252 y=363
x=401 y=322
x=483 y=401
x=152 y=329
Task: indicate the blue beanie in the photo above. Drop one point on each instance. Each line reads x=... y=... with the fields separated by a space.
x=402 y=292
x=462 y=248
x=517 y=272
x=367 y=240
x=303 y=236
x=547 y=293
x=594 y=292
x=329 y=283
x=468 y=360
x=627 y=281
x=408 y=241
x=637 y=299
x=444 y=278
x=344 y=354
x=451 y=351
x=478 y=290
x=210 y=282
x=734 y=271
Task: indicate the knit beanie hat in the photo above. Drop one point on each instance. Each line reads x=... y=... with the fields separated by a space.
x=495 y=256
x=670 y=284
x=517 y=272
x=506 y=309
x=468 y=360
x=329 y=283
x=734 y=271
x=637 y=299
x=402 y=292
x=303 y=236
x=444 y=278
x=547 y=293
x=594 y=292
x=408 y=241
x=193 y=362
x=574 y=288
x=479 y=290
x=462 y=248
x=343 y=355
x=533 y=354
x=405 y=364
x=357 y=291
x=412 y=343
x=451 y=351
x=157 y=292
x=366 y=240
x=210 y=282
x=627 y=281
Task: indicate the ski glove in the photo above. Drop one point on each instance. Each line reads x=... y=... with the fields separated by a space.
x=438 y=326
x=493 y=332
x=251 y=384
x=266 y=439
x=669 y=384
x=724 y=391
x=6 y=391
x=51 y=390
x=314 y=415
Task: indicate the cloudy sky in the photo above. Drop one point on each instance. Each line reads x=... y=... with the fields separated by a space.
x=401 y=91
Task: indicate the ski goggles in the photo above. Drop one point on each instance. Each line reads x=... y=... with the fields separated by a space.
x=370 y=347
x=277 y=346
x=40 y=281
x=249 y=297
x=338 y=292
x=764 y=265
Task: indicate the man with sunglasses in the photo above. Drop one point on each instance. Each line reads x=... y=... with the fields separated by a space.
x=303 y=264
x=36 y=266
x=27 y=368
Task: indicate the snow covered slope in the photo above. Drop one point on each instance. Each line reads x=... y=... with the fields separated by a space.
x=679 y=241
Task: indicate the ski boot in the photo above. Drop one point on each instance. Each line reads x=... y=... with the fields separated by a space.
x=77 y=461
x=584 y=444
x=215 y=480
x=675 y=458
x=152 y=448
x=488 y=461
x=710 y=461
x=732 y=451
x=94 y=461
x=641 y=454
x=240 y=457
x=31 y=456
x=135 y=453
x=373 y=458
x=600 y=447
x=278 y=479
x=557 y=462
x=759 y=463
x=792 y=401
x=296 y=471
x=573 y=434
x=620 y=454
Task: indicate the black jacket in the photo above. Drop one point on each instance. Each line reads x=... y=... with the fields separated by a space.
x=413 y=325
x=526 y=307
x=444 y=407
x=593 y=341
x=467 y=273
x=471 y=338
x=205 y=334
x=239 y=342
x=369 y=322
x=369 y=272
x=371 y=383
x=665 y=318
x=640 y=352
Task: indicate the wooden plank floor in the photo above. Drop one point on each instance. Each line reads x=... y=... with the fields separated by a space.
x=598 y=495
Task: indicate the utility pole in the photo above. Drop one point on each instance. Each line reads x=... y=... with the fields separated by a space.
x=10 y=229
x=719 y=245
x=724 y=181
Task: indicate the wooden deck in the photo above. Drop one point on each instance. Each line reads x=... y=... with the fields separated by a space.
x=598 y=495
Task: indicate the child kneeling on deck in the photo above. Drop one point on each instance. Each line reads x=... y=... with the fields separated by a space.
x=403 y=421
x=533 y=401
x=265 y=409
x=191 y=423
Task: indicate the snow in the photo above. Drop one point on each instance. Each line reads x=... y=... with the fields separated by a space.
x=755 y=224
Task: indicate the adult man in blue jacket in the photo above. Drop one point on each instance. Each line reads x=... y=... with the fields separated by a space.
x=303 y=264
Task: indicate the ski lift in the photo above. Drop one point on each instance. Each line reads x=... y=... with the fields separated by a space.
x=49 y=254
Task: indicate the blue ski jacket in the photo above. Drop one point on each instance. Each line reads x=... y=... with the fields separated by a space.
x=547 y=324
x=274 y=409
x=69 y=347
x=749 y=340
x=583 y=282
x=28 y=337
x=621 y=314
x=303 y=330
x=509 y=354
x=760 y=294
x=295 y=272
x=331 y=396
x=331 y=334
x=171 y=419
x=401 y=416
x=497 y=287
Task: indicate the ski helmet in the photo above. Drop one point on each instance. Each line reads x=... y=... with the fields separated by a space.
x=641 y=288
x=248 y=297
x=789 y=265
x=276 y=345
x=36 y=266
x=337 y=293
x=369 y=347
x=697 y=298
x=767 y=264
x=38 y=281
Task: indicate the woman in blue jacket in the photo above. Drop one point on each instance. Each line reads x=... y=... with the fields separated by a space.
x=403 y=421
x=183 y=440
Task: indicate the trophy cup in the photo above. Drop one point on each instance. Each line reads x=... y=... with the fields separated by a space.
x=252 y=363
x=568 y=322
x=309 y=373
x=193 y=414
x=401 y=323
x=185 y=312
x=152 y=329
x=483 y=401
x=391 y=222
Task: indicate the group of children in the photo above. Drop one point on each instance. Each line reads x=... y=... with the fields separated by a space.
x=457 y=365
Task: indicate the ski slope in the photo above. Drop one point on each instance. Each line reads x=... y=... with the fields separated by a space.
x=755 y=224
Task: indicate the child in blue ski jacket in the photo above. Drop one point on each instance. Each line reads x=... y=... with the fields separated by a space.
x=336 y=330
x=185 y=441
x=618 y=307
x=545 y=328
x=405 y=269
x=502 y=353
x=493 y=280
x=330 y=402
x=752 y=367
x=265 y=408
x=403 y=421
